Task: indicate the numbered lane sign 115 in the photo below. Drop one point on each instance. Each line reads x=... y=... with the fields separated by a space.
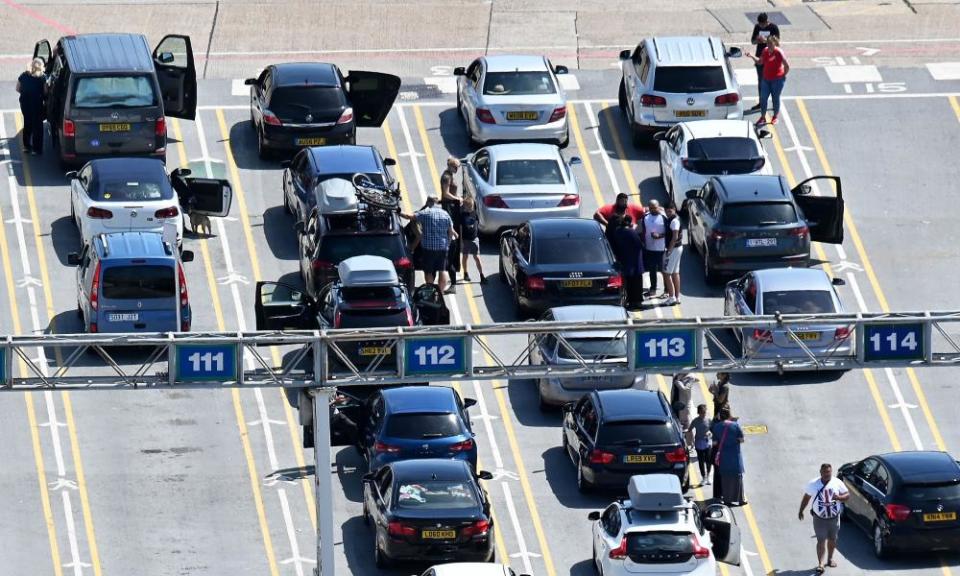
x=893 y=342
x=435 y=356
x=207 y=362
x=665 y=348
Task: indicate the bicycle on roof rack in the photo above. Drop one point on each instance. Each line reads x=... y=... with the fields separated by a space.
x=376 y=204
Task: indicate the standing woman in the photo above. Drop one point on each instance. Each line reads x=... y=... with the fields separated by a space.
x=32 y=86
x=470 y=237
x=728 y=462
x=721 y=394
x=775 y=70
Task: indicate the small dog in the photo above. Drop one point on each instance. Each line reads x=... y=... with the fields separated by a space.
x=200 y=223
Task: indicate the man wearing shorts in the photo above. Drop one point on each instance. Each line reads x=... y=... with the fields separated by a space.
x=437 y=233
x=828 y=495
x=671 y=258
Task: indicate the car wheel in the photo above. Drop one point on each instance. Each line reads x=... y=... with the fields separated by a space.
x=286 y=204
x=379 y=558
x=502 y=274
x=262 y=151
x=541 y=403
x=637 y=136
x=366 y=515
x=459 y=104
x=566 y=140
x=493 y=556
x=582 y=485
x=522 y=311
x=880 y=547
x=686 y=483
x=597 y=565
x=564 y=443
x=622 y=99
x=80 y=312
x=709 y=273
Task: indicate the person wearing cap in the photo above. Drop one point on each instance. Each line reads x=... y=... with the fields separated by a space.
x=620 y=208
x=762 y=30
x=437 y=233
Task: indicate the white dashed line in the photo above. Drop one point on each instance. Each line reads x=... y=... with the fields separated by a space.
x=848 y=74
x=944 y=70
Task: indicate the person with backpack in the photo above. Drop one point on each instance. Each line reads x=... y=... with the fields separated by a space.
x=470 y=237
x=674 y=250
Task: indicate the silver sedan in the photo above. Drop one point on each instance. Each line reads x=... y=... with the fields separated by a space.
x=514 y=183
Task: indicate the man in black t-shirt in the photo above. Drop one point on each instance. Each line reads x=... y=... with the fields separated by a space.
x=762 y=30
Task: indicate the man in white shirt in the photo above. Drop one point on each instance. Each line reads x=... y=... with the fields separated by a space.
x=654 y=226
x=828 y=494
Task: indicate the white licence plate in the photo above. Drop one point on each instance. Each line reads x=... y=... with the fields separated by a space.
x=756 y=242
x=123 y=317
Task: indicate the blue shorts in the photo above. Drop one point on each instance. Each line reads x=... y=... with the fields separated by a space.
x=434 y=261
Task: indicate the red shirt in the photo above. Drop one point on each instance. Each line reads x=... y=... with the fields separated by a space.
x=635 y=212
x=772 y=60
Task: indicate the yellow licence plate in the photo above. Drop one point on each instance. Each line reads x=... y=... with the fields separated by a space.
x=807 y=335
x=939 y=516
x=690 y=113
x=374 y=350
x=577 y=283
x=311 y=141
x=640 y=459
x=115 y=127
x=439 y=534
x=521 y=115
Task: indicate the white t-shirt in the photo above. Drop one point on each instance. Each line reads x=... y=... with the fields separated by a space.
x=675 y=227
x=825 y=504
x=655 y=223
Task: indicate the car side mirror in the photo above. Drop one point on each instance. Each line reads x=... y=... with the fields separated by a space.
x=389 y=162
x=691 y=194
x=459 y=71
x=837 y=281
x=764 y=134
x=186 y=256
x=71 y=174
x=574 y=161
x=659 y=136
x=284 y=163
x=298 y=227
x=166 y=57
x=73 y=259
x=560 y=69
x=805 y=189
x=734 y=52
x=469 y=402
x=624 y=54
x=181 y=172
x=593 y=516
x=484 y=475
x=568 y=407
x=250 y=82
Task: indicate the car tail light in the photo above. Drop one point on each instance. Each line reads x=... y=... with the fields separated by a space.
x=337 y=319
x=841 y=333
x=687 y=164
x=762 y=335
x=160 y=127
x=409 y=316
x=600 y=457
x=620 y=552
x=615 y=282
x=403 y=262
x=400 y=529
x=717 y=235
x=727 y=99
x=95 y=292
x=494 y=201
x=383 y=448
x=678 y=455
x=184 y=297
x=800 y=231
x=699 y=550
x=464 y=446
x=478 y=528
x=184 y=325
x=484 y=115
x=93 y=328
x=170 y=212
x=652 y=101
x=897 y=512
x=321 y=265
x=535 y=283
x=558 y=113
x=69 y=129
x=271 y=118
x=347 y=116
x=570 y=200
x=99 y=213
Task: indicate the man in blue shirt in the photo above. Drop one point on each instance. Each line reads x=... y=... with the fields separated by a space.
x=435 y=236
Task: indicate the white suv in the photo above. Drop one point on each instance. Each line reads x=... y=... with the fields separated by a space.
x=673 y=79
x=657 y=529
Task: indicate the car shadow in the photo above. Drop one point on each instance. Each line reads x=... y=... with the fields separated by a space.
x=454 y=134
x=65 y=238
x=350 y=470
x=359 y=552
x=614 y=130
x=281 y=237
x=856 y=547
x=562 y=478
x=583 y=567
x=692 y=280
x=44 y=171
x=525 y=401
x=749 y=379
x=243 y=145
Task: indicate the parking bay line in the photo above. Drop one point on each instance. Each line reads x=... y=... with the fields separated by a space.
x=587 y=161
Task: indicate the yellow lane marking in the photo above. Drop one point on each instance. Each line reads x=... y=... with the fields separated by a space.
x=67 y=405
x=868 y=268
x=584 y=154
x=618 y=146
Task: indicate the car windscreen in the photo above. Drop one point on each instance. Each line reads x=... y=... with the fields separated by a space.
x=659 y=547
x=518 y=83
x=798 y=302
x=138 y=282
x=754 y=214
x=417 y=426
x=528 y=172
x=722 y=148
x=114 y=92
x=649 y=432
x=689 y=79
x=131 y=190
x=295 y=102
x=337 y=248
x=373 y=317
x=594 y=348
x=436 y=494
x=570 y=250
x=944 y=491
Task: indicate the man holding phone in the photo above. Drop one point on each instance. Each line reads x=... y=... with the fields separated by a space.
x=762 y=30
x=654 y=226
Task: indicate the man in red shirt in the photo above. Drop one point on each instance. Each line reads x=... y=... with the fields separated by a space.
x=775 y=69
x=618 y=208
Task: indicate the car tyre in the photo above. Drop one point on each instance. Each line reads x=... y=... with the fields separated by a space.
x=366 y=515
x=541 y=403
x=493 y=556
x=622 y=100
x=582 y=485
x=502 y=274
x=880 y=547
x=709 y=273
x=522 y=311
x=566 y=140
x=637 y=136
x=262 y=151
x=381 y=559
x=597 y=566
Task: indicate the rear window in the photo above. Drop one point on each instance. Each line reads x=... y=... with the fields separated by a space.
x=518 y=83
x=947 y=491
x=689 y=79
x=436 y=494
x=759 y=214
x=648 y=433
x=138 y=282
x=798 y=302
x=528 y=172
x=114 y=92
x=595 y=347
x=419 y=426
x=359 y=294
x=302 y=100
x=570 y=250
x=659 y=547
x=722 y=149
x=372 y=318
x=131 y=191
x=337 y=248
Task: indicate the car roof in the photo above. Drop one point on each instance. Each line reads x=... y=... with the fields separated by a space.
x=133 y=245
x=420 y=399
x=655 y=492
x=564 y=227
x=587 y=313
x=346 y=159
x=784 y=279
x=752 y=188
x=305 y=74
x=433 y=468
x=127 y=167
x=687 y=50
x=618 y=405
x=720 y=128
x=108 y=53
x=470 y=569
x=524 y=151
x=367 y=271
x=922 y=466
x=515 y=62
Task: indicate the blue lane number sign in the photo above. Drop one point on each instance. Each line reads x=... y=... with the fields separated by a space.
x=666 y=348
x=207 y=362
x=893 y=342
x=435 y=356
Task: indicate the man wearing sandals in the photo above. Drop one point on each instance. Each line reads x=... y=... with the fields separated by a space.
x=828 y=494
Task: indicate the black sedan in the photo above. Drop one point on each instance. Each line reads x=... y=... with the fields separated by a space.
x=428 y=510
x=557 y=262
x=905 y=500
x=302 y=104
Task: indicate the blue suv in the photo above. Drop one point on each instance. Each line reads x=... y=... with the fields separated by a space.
x=131 y=282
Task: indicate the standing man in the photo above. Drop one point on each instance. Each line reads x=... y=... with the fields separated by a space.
x=450 y=200
x=628 y=249
x=762 y=30
x=828 y=494
x=671 y=266
x=448 y=193
x=654 y=244
x=437 y=232
x=619 y=208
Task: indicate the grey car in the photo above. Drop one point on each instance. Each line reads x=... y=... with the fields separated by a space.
x=513 y=183
x=789 y=291
x=603 y=346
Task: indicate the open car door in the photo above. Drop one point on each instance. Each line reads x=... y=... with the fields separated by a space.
x=283 y=307
x=371 y=96
x=724 y=533
x=173 y=59
x=347 y=414
x=207 y=196
x=432 y=310
x=824 y=212
x=42 y=51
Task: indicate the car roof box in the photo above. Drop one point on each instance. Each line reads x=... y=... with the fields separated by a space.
x=367 y=271
x=655 y=492
x=336 y=196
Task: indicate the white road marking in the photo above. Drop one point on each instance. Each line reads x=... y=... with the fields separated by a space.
x=902 y=404
x=523 y=554
x=238 y=88
x=857 y=294
x=295 y=558
x=75 y=563
x=746 y=76
x=944 y=70
x=445 y=84
x=595 y=128
x=868 y=51
x=844 y=74
x=569 y=82
x=418 y=176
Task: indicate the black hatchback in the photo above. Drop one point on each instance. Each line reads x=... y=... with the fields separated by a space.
x=611 y=435
x=905 y=500
x=553 y=262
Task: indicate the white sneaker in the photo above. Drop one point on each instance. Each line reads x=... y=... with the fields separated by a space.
x=706 y=481
x=670 y=301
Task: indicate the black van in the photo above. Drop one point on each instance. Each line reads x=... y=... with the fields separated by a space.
x=107 y=94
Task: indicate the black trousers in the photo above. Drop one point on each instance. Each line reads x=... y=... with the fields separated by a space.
x=703 y=461
x=634 y=289
x=32 y=129
x=653 y=263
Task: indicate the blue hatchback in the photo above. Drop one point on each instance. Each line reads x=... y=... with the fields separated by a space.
x=416 y=422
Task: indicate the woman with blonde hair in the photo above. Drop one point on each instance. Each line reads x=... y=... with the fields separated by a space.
x=470 y=237
x=32 y=86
